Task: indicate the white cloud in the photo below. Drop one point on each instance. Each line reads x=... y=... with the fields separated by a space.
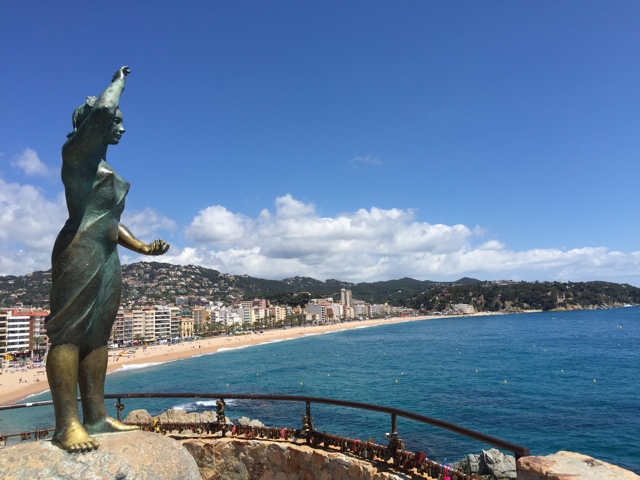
x=378 y=244
x=365 y=160
x=28 y=218
x=29 y=224
x=219 y=227
x=145 y=224
x=20 y=262
x=30 y=164
x=294 y=239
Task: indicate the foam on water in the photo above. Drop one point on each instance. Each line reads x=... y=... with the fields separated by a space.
x=201 y=405
x=139 y=366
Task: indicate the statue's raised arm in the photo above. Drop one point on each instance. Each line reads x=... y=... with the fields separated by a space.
x=92 y=120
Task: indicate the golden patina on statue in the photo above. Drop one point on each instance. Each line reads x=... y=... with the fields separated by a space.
x=86 y=275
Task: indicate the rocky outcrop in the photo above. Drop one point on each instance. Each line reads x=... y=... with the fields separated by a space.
x=171 y=416
x=249 y=422
x=121 y=456
x=491 y=464
x=143 y=455
x=138 y=417
x=235 y=459
x=570 y=466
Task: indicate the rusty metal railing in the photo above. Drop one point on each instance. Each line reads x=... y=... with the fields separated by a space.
x=395 y=449
x=517 y=450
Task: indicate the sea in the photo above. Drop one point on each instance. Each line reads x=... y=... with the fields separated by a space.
x=549 y=381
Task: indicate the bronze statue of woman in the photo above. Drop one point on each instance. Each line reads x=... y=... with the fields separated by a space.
x=86 y=275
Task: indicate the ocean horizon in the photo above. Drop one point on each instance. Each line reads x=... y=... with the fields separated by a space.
x=549 y=381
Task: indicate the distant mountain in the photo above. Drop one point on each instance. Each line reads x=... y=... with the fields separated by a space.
x=508 y=296
x=31 y=289
x=467 y=281
x=390 y=291
x=155 y=282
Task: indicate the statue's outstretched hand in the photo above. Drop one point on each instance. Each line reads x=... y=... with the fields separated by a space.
x=157 y=247
x=121 y=73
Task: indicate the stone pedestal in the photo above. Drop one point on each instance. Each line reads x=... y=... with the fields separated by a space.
x=121 y=456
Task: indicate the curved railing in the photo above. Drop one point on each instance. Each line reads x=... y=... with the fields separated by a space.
x=517 y=450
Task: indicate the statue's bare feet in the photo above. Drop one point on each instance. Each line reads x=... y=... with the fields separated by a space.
x=108 y=425
x=74 y=438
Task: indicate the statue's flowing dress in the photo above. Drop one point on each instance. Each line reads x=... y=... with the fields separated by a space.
x=86 y=274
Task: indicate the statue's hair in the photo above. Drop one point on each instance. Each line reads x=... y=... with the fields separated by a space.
x=81 y=113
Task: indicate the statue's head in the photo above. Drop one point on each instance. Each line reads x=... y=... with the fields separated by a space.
x=81 y=113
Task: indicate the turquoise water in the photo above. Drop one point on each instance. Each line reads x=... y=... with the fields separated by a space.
x=548 y=381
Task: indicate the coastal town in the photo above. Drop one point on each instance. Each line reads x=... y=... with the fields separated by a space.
x=22 y=332
x=202 y=319
x=165 y=304
x=23 y=373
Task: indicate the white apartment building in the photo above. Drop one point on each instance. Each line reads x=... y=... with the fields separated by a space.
x=158 y=322
x=137 y=324
x=17 y=332
x=362 y=310
x=162 y=322
x=175 y=322
x=244 y=315
x=258 y=315
x=380 y=310
x=19 y=328
x=325 y=312
x=122 y=327
x=463 y=308
x=227 y=318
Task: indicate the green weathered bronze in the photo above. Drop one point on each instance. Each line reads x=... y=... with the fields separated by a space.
x=86 y=275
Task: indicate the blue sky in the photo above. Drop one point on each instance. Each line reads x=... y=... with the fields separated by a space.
x=357 y=140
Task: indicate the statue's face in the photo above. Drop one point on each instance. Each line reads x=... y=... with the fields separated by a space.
x=116 y=130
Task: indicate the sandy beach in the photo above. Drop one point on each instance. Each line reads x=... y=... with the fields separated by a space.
x=17 y=384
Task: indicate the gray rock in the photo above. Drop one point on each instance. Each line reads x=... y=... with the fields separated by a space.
x=180 y=416
x=491 y=464
x=138 y=416
x=244 y=421
x=121 y=456
x=469 y=464
x=500 y=466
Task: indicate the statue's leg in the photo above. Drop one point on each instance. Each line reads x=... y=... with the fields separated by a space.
x=92 y=373
x=62 y=373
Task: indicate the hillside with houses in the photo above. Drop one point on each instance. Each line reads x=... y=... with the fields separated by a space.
x=161 y=302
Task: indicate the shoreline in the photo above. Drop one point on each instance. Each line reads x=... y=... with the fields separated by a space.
x=34 y=380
